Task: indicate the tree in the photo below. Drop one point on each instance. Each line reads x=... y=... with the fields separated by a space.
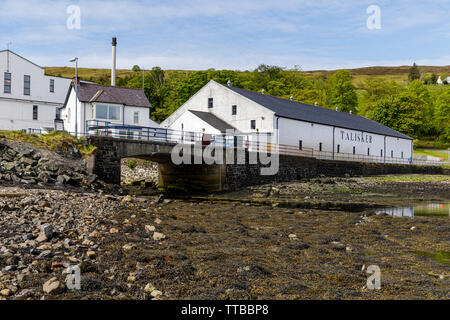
x=442 y=114
x=341 y=92
x=376 y=90
x=414 y=73
x=402 y=112
x=421 y=92
x=136 y=68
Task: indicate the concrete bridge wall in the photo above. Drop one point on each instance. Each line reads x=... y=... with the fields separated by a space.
x=226 y=177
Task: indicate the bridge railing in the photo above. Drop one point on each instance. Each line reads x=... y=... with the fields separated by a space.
x=253 y=142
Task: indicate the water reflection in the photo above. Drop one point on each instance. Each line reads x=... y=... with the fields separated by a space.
x=430 y=209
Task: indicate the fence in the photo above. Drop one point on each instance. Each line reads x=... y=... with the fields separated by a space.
x=253 y=142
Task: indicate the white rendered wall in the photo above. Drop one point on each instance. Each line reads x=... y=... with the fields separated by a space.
x=40 y=95
x=17 y=115
x=311 y=134
x=86 y=111
x=224 y=99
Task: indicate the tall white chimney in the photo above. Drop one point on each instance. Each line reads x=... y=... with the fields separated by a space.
x=113 y=70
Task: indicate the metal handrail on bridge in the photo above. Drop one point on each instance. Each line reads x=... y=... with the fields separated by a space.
x=257 y=143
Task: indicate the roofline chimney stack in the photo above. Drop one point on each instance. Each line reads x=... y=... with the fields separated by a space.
x=113 y=70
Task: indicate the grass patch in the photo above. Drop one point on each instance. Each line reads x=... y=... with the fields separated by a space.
x=54 y=141
x=425 y=152
x=341 y=190
x=431 y=144
x=442 y=257
x=411 y=178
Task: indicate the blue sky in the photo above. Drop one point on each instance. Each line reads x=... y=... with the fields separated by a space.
x=202 y=34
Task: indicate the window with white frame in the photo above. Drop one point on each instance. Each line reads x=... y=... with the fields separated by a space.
x=26 y=85
x=105 y=112
x=136 y=117
x=7 y=83
x=52 y=85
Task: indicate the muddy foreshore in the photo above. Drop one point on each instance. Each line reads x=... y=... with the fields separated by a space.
x=302 y=240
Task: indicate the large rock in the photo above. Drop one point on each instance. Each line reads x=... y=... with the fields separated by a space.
x=52 y=286
x=47 y=230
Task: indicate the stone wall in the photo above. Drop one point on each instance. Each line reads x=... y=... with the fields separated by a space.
x=144 y=171
x=295 y=168
x=290 y=169
x=106 y=160
x=106 y=163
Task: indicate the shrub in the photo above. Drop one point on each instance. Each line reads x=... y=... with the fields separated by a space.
x=132 y=164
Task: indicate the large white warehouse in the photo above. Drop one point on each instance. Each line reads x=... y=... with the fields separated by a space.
x=216 y=108
x=28 y=97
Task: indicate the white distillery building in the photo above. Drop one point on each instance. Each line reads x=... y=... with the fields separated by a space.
x=216 y=108
x=120 y=109
x=28 y=97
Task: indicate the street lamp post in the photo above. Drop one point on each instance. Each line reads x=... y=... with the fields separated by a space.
x=76 y=94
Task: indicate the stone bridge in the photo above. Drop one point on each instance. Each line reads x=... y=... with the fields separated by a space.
x=106 y=163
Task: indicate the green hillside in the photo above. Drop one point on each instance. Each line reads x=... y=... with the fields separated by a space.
x=404 y=98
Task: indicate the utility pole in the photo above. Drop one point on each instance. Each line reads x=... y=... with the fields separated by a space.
x=76 y=94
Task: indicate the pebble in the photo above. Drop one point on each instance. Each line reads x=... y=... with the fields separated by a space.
x=158 y=236
x=149 y=288
x=51 y=286
x=156 y=293
x=5 y=292
x=127 y=247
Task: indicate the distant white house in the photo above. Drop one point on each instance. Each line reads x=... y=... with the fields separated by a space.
x=440 y=81
x=28 y=97
x=121 y=108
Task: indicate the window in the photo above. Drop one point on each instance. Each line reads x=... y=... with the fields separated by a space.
x=26 y=85
x=338 y=148
x=354 y=150
x=7 y=83
x=234 y=110
x=52 y=85
x=253 y=124
x=320 y=146
x=368 y=151
x=107 y=112
x=210 y=103
x=392 y=153
x=136 y=117
x=300 y=145
x=58 y=113
x=381 y=153
x=402 y=154
x=35 y=112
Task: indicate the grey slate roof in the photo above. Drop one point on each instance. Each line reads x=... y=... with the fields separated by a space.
x=212 y=120
x=92 y=92
x=305 y=112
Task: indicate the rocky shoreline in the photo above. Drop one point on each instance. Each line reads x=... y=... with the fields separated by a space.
x=66 y=235
x=131 y=247
x=24 y=164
